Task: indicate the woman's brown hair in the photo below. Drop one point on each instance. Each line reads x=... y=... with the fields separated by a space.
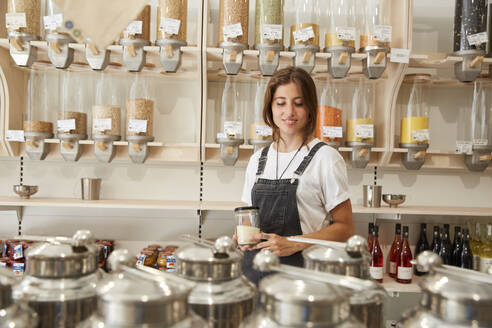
x=309 y=97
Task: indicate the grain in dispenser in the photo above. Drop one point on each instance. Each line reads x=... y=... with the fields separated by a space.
x=260 y=134
x=376 y=34
x=139 y=120
x=233 y=33
x=269 y=34
x=106 y=118
x=23 y=22
x=72 y=118
x=171 y=32
x=59 y=52
x=231 y=133
x=329 y=122
x=134 y=38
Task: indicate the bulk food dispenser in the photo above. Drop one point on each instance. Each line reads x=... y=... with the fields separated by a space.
x=260 y=134
x=470 y=38
x=139 y=120
x=97 y=59
x=37 y=125
x=340 y=36
x=233 y=33
x=329 y=124
x=106 y=118
x=59 y=52
x=414 y=123
x=171 y=32
x=134 y=38
x=375 y=35
x=72 y=118
x=269 y=34
x=304 y=33
x=231 y=124
x=23 y=22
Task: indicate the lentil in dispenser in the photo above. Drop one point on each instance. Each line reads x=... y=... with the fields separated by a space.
x=134 y=38
x=269 y=38
x=231 y=124
x=329 y=124
x=233 y=33
x=260 y=134
x=23 y=22
x=59 y=52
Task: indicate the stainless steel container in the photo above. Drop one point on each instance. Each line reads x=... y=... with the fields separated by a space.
x=141 y=297
x=60 y=280
x=451 y=297
x=222 y=296
x=13 y=315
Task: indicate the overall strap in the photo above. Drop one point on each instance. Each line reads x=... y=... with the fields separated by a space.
x=262 y=161
x=305 y=162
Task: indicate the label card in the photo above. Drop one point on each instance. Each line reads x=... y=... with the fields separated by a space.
x=346 y=33
x=383 y=33
x=137 y=126
x=170 y=25
x=134 y=27
x=477 y=39
x=272 y=31
x=65 y=125
x=102 y=124
x=232 y=128
x=15 y=135
x=52 y=22
x=263 y=130
x=480 y=142
x=400 y=55
x=232 y=31
x=304 y=34
x=332 y=131
x=15 y=20
x=364 y=131
x=464 y=147
x=420 y=135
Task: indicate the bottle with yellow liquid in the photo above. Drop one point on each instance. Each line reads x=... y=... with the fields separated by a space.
x=486 y=250
x=260 y=134
x=475 y=244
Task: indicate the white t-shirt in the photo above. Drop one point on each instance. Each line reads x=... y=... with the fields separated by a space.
x=322 y=186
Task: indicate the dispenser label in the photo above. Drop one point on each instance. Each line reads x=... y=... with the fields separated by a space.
x=65 y=125
x=137 y=126
x=102 y=124
x=332 y=131
x=405 y=273
x=272 y=31
x=383 y=33
x=15 y=135
x=346 y=33
x=304 y=34
x=376 y=272
x=420 y=135
x=485 y=263
x=400 y=55
x=15 y=20
x=478 y=38
x=18 y=254
x=464 y=147
x=263 y=130
x=232 y=31
x=480 y=142
x=221 y=135
x=52 y=22
x=134 y=27
x=232 y=128
x=18 y=269
x=170 y=25
x=364 y=131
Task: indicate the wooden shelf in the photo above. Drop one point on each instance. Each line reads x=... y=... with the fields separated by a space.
x=437 y=60
x=392 y=286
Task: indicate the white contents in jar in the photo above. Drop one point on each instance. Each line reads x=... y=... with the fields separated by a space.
x=244 y=234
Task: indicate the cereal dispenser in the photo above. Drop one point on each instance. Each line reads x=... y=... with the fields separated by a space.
x=106 y=119
x=375 y=35
x=260 y=134
x=139 y=120
x=329 y=124
x=134 y=38
x=360 y=123
x=171 y=32
x=37 y=125
x=304 y=33
x=233 y=33
x=414 y=124
x=231 y=124
x=72 y=118
x=59 y=52
x=23 y=26
x=269 y=38
x=470 y=38
x=97 y=59
x=340 y=36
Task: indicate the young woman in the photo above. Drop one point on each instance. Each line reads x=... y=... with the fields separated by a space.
x=299 y=183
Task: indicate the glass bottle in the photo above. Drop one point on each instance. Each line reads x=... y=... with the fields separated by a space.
x=486 y=250
x=422 y=245
x=466 y=255
x=404 y=268
x=476 y=244
x=395 y=251
x=436 y=240
x=456 y=257
x=445 y=251
x=370 y=237
x=376 y=267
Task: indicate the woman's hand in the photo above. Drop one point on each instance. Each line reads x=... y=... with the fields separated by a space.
x=277 y=244
x=243 y=247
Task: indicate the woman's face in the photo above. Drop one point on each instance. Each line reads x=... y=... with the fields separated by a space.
x=289 y=113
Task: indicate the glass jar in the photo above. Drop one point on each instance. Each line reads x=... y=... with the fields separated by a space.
x=329 y=122
x=269 y=22
x=305 y=30
x=172 y=19
x=72 y=119
x=106 y=112
x=140 y=27
x=54 y=17
x=37 y=120
x=27 y=18
x=360 y=120
x=258 y=130
x=341 y=29
x=470 y=19
x=248 y=224
x=375 y=23
x=233 y=19
x=231 y=119
x=139 y=109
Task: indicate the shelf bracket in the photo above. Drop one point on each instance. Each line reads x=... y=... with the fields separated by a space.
x=19 y=210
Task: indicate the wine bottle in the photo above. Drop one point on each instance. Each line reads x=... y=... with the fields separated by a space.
x=395 y=251
x=436 y=241
x=486 y=250
x=376 y=267
x=445 y=249
x=404 y=268
x=370 y=237
x=466 y=252
x=422 y=245
x=456 y=256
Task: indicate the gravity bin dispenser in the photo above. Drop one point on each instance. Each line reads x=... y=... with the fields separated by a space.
x=260 y=134
x=329 y=123
x=134 y=38
x=59 y=51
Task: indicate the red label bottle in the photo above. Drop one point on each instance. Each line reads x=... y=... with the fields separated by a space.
x=376 y=267
x=404 y=269
x=395 y=251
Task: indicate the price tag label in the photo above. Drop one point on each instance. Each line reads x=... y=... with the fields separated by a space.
x=170 y=25
x=400 y=55
x=346 y=33
x=480 y=142
x=383 y=33
x=232 y=31
x=364 y=131
x=477 y=39
x=137 y=126
x=221 y=135
x=52 y=22
x=15 y=20
x=420 y=135
x=272 y=31
x=233 y=128
x=304 y=34
x=134 y=27
x=263 y=130
x=65 y=125
x=332 y=131
x=15 y=135
x=102 y=124
x=464 y=147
